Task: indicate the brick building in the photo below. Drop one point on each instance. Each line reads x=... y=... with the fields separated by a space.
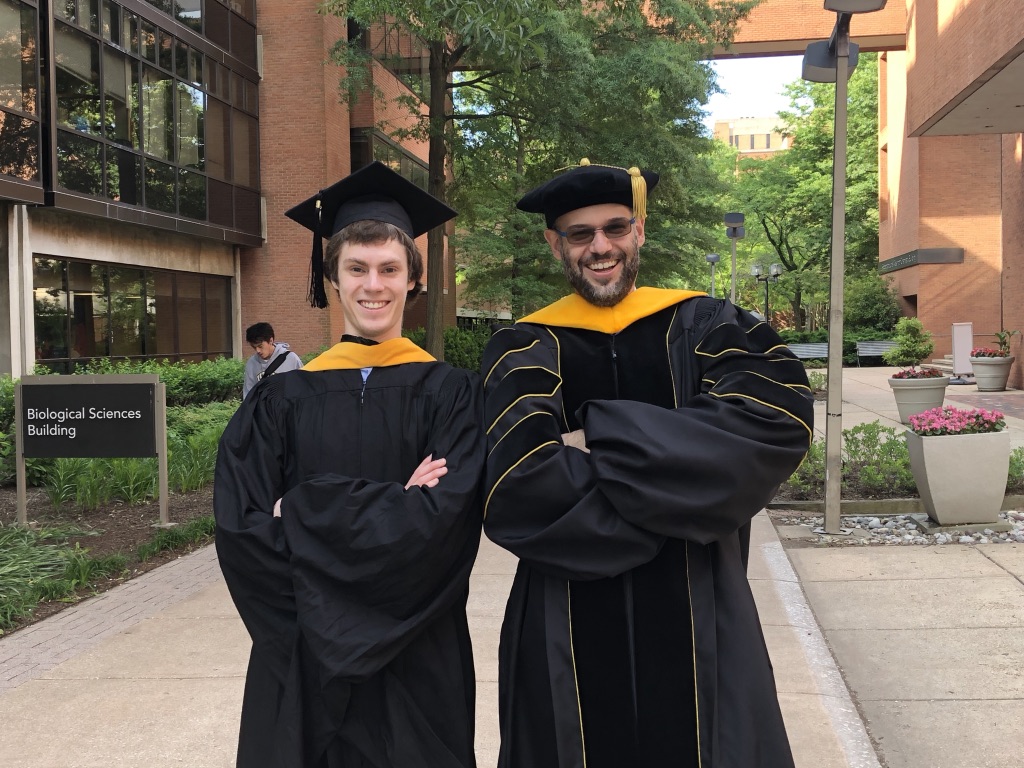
x=148 y=150
x=951 y=162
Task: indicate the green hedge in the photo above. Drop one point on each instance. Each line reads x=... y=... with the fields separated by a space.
x=463 y=348
x=187 y=383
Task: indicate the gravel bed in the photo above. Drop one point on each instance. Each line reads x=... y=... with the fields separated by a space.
x=900 y=530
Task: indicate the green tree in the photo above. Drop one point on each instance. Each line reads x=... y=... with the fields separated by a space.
x=788 y=197
x=529 y=65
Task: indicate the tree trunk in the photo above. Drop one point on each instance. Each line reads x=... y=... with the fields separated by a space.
x=436 y=155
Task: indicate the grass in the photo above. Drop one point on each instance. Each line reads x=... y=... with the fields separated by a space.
x=195 y=532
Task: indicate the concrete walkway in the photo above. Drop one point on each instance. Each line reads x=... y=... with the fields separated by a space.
x=920 y=647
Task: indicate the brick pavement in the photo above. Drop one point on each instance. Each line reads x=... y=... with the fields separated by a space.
x=29 y=653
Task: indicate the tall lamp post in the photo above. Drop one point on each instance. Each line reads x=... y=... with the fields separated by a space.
x=734 y=231
x=712 y=259
x=771 y=276
x=832 y=61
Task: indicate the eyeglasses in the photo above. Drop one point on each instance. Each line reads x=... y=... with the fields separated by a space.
x=613 y=230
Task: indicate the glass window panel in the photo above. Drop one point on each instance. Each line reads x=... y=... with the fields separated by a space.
x=189 y=306
x=50 y=307
x=181 y=60
x=192 y=194
x=247 y=211
x=92 y=8
x=243 y=40
x=130 y=33
x=220 y=203
x=19 y=147
x=161 y=5
x=160 y=310
x=66 y=9
x=87 y=294
x=252 y=98
x=126 y=311
x=110 y=21
x=218 y=315
x=237 y=90
x=217 y=147
x=79 y=164
x=78 y=79
x=190 y=126
x=148 y=41
x=124 y=176
x=165 y=50
x=121 y=88
x=244 y=151
x=157 y=113
x=189 y=13
x=195 y=68
x=217 y=25
x=160 y=186
x=18 y=57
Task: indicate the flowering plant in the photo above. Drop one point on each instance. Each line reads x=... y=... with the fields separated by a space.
x=918 y=373
x=947 y=420
x=989 y=352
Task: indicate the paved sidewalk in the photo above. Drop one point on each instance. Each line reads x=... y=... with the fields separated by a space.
x=922 y=647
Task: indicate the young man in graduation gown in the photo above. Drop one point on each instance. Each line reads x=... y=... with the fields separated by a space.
x=632 y=435
x=347 y=500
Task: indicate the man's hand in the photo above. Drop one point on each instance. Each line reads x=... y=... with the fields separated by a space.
x=428 y=473
x=576 y=439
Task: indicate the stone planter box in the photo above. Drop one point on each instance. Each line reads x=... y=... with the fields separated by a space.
x=918 y=395
x=991 y=373
x=961 y=478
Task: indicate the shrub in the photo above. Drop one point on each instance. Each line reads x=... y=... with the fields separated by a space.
x=913 y=344
x=870 y=305
x=463 y=348
x=186 y=383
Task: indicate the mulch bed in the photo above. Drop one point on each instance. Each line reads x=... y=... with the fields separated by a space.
x=115 y=528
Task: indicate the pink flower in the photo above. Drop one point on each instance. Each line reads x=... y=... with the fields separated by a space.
x=957 y=421
x=989 y=352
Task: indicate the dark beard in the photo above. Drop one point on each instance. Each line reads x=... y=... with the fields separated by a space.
x=609 y=295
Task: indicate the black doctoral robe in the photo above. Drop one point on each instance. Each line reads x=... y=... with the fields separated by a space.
x=355 y=597
x=631 y=637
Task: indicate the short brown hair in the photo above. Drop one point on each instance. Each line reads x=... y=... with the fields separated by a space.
x=371 y=232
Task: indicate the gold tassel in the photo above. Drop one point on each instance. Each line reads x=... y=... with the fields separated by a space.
x=639 y=193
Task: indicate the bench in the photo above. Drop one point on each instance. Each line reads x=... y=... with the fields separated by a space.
x=873 y=349
x=812 y=351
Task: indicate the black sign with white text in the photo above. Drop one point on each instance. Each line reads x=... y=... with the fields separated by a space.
x=88 y=420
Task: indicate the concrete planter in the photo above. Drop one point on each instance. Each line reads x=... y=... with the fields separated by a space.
x=991 y=373
x=917 y=395
x=961 y=478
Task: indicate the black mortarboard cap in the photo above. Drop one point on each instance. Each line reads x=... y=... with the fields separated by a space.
x=590 y=184
x=374 y=192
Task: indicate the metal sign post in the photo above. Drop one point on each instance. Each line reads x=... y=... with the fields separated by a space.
x=99 y=416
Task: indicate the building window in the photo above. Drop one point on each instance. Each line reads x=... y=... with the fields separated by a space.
x=138 y=121
x=366 y=145
x=19 y=91
x=85 y=311
x=751 y=141
x=767 y=141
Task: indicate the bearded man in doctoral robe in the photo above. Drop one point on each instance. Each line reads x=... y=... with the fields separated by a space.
x=348 y=514
x=633 y=433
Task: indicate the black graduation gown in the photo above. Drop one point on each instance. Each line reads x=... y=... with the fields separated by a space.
x=355 y=597
x=631 y=637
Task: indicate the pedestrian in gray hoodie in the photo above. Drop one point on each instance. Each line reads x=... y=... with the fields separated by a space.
x=271 y=357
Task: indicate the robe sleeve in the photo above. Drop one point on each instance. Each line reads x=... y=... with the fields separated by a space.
x=363 y=566
x=542 y=500
x=701 y=471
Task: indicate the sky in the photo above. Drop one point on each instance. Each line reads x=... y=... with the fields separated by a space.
x=752 y=87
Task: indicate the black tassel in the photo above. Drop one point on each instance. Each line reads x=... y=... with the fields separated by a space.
x=317 y=296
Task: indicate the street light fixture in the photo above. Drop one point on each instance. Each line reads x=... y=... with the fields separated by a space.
x=772 y=276
x=712 y=259
x=832 y=61
x=734 y=231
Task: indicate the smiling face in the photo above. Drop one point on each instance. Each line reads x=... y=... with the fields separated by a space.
x=372 y=282
x=604 y=270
